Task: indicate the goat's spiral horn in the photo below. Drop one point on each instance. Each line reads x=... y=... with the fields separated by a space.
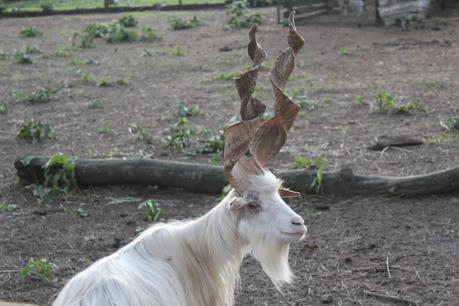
x=249 y=145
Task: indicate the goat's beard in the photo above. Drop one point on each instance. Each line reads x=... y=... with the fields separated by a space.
x=272 y=253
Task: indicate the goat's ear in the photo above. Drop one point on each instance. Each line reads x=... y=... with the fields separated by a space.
x=287 y=193
x=237 y=203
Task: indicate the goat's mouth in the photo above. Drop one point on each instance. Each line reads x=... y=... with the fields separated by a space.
x=295 y=236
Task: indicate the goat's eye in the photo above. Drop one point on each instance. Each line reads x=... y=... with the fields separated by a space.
x=253 y=205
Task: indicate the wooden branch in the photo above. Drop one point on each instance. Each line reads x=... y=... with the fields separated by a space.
x=209 y=179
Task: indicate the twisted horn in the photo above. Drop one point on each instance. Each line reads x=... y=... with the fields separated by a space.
x=272 y=134
x=239 y=135
x=249 y=145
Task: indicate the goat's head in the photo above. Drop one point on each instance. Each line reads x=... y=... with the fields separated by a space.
x=250 y=144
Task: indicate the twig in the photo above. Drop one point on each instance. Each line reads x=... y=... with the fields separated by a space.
x=389 y=298
x=387 y=267
x=9 y=271
x=445 y=126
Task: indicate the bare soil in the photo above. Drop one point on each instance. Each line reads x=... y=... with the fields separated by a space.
x=355 y=249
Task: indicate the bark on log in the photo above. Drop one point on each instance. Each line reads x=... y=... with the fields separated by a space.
x=210 y=179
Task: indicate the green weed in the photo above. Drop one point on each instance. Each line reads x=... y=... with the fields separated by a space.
x=40 y=269
x=95 y=104
x=176 y=51
x=22 y=58
x=105 y=128
x=140 y=133
x=307 y=103
x=343 y=51
x=79 y=212
x=31 y=49
x=453 y=123
x=64 y=51
x=3 y=108
x=47 y=6
x=385 y=103
x=149 y=35
x=187 y=111
x=128 y=21
x=359 y=100
x=41 y=95
x=214 y=142
x=178 y=23
x=181 y=135
x=318 y=164
x=239 y=17
x=105 y=82
x=440 y=138
x=29 y=32
x=153 y=210
x=35 y=131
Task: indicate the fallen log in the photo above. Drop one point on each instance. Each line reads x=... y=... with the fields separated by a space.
x=210 y=179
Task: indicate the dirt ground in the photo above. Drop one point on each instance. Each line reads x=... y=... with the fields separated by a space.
x=356 y=248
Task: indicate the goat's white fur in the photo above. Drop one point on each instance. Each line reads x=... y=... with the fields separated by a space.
x=193 y=263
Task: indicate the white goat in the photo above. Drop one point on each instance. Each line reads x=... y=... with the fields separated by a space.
x=197 y=262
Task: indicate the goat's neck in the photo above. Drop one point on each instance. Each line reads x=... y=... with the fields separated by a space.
x=216 y=255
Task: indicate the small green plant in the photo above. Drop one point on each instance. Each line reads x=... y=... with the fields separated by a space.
x=384 y=102
x=440 y=138
x=8 y=207
x=181 y=135
x=318 y=164
x=344 y=51
x=95 y=104
x=153 y=210
x=123 y=81
x=3 y=108
x=140 y=133
x=47 y=6
x=408 y=107
x=105 y=128
x=87 y=77
x=128 y=21
x=22 y=58
x=83 y=40
x=31 y=49
x=58 y=178
x=151 y=53
x=307 y=103
x=105 y=82
x=5 y=56
x=79 y=212
x=64 y=51
x=453 y=123
x=35 y=131
x=29 y=32
x=214 y=143
x=239 y=17
x=97 y=30
x=40 y=269
x=176 y=51
x=42 y=95
x=187 y=111
x=359 y=100
x=178 y=23
x=149 y=35
x=118 y=33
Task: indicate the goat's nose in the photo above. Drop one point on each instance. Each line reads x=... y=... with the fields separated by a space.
x=297 y=220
